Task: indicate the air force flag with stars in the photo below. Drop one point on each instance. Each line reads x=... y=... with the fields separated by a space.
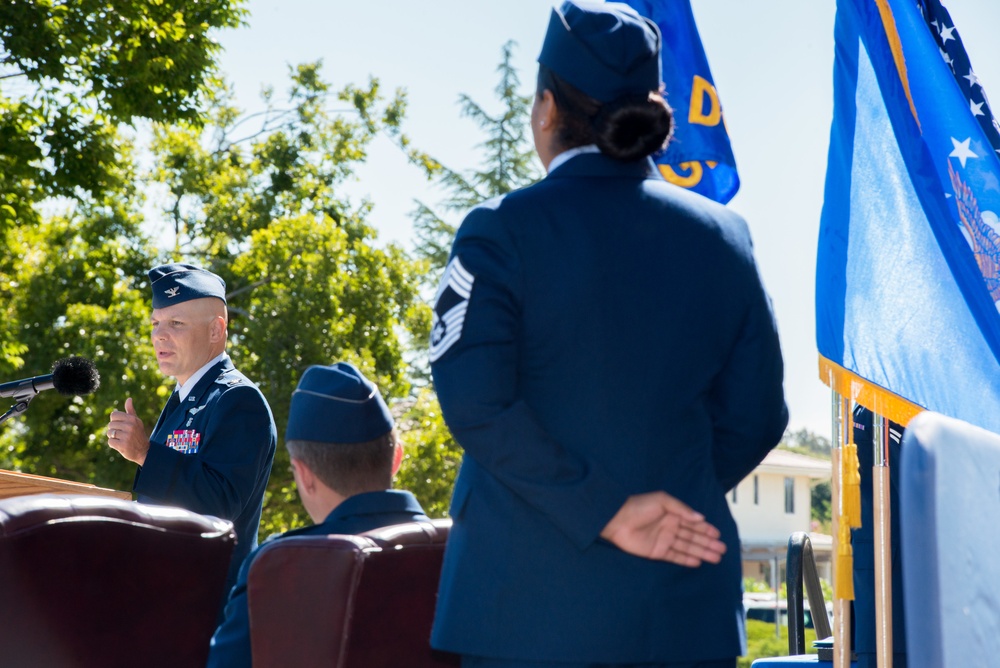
x=908 y=265
x=449 y=308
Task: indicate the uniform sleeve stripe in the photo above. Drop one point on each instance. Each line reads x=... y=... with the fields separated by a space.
x=457 y=278
x=446 y=328
x=461 y=279
x=456 y=315
x=444 y=345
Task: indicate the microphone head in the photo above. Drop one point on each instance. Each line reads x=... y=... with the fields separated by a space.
x=75 y=375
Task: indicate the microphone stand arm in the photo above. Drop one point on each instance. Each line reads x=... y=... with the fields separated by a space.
x=22 y=405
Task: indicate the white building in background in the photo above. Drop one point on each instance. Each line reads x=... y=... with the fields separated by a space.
x=772 y=503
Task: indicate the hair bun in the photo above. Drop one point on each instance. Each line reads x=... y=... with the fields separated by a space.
x=633 y=126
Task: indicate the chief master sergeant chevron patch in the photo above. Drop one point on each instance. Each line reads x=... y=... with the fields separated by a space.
x=449 y=308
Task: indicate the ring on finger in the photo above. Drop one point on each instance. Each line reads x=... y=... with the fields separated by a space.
x=114 y=433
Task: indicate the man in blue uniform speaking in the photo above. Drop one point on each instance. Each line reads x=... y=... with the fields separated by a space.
x=344 y=453
x=212 y=447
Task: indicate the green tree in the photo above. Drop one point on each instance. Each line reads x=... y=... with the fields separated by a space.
x=821 y=505
x=258 y=199
x=71 y=73
x=72 y=70
x=307 y=283
x=72 y=292
x=507 y=162
x=806 y=442
x=432 y=457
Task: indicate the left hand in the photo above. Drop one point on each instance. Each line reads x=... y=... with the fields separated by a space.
x=127 y=435
x=661 y=527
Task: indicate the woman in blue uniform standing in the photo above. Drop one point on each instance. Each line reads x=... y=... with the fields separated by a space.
x=605 y=353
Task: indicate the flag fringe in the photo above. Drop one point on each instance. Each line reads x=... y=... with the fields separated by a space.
x=873 y=397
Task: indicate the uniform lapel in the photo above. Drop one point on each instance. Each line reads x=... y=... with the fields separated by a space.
x=198 y=393
x=175 y=413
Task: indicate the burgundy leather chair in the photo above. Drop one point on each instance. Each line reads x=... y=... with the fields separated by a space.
x=336 y=601
x=88 y=581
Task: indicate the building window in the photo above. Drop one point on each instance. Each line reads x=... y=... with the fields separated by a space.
x=734 y=495
x=790 y=496
x=756 y=490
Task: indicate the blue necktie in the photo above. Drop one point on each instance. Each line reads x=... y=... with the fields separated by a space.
x=172 y=403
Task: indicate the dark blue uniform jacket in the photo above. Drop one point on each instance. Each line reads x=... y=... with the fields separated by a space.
x=213 y=454
x=359 y=513
x=598 y=334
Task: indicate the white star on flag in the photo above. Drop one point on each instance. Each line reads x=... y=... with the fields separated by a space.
x=962 y=150
x=973 y=79
x=946 y=34
x=977 y=108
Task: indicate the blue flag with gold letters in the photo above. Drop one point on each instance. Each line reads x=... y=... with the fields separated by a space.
x=908 y=265
x=698 y=156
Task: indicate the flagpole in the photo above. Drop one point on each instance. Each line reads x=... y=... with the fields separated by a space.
x=841 y=604
x=883 y=541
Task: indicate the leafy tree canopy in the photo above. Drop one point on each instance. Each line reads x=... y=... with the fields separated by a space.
x=806 y=442
x=508 y=163
x=259 y=199
x=262 y=207
x=72 y=70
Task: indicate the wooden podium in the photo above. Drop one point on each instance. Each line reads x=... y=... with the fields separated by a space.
x=20 y=484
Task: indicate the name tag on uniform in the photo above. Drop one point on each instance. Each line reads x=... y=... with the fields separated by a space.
x=184 y=441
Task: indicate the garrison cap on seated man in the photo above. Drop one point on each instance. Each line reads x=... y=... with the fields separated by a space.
x=344 y=451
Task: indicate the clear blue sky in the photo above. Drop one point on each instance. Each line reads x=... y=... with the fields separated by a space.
x=772 y=63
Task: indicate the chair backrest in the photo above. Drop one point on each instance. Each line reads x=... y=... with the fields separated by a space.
x=336 y=601
x=949 y=524
x=88 y=581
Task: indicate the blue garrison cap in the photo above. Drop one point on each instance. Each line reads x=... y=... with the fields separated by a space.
x=605 y=50
x=337 y=404
x=176 y=283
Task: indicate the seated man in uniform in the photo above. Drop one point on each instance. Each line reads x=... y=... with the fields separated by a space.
x=344 y=452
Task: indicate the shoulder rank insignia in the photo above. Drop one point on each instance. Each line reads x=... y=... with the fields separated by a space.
x=229 y=379
x=450 y=305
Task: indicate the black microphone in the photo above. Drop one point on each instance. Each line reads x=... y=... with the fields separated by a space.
x=72 y=375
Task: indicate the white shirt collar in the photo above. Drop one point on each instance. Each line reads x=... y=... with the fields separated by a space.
x=572 y=153
x=184 y=390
